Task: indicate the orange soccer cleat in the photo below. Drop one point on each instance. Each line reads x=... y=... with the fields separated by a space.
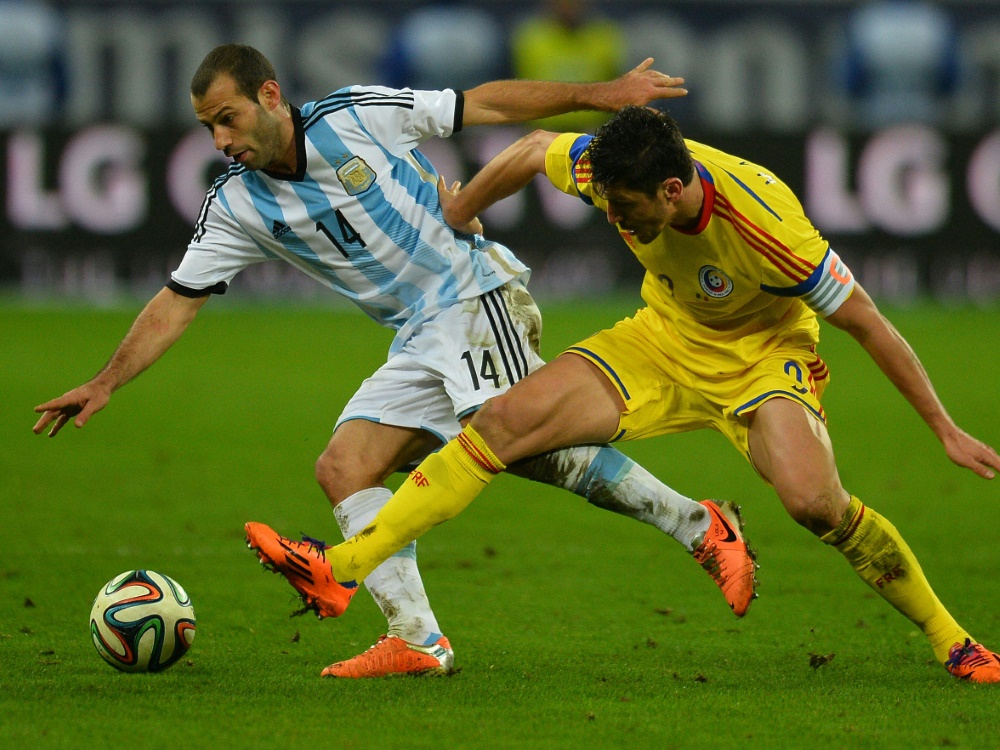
x=304 y=565
x=392 y=656
x=727 y=557
x=973 y=662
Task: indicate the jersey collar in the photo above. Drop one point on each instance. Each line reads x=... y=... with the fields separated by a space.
x=707 y=204
x=300 y=152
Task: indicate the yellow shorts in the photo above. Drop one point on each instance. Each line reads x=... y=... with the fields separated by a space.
x=661 y=396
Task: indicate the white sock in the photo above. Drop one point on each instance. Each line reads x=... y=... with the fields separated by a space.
x=611 y=480
x=395 y=585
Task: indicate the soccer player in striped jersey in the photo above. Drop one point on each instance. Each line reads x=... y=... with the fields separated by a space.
x=337 y=189
x=736 y=278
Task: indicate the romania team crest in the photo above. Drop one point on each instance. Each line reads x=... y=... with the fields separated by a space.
x=714 y=282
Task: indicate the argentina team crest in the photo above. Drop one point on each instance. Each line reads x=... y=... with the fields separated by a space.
x=356 y=176
x=714 y=282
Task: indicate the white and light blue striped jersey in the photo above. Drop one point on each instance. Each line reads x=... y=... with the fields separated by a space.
x=361 y=215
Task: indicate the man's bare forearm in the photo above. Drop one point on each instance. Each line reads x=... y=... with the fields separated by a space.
x=894 y=357
x=154 y=330
x=506 y=102
x=505 y=174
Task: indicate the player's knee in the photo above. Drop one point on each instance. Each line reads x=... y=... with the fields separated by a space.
x=819 y=511
x=337 y=472
x=326 y=469
x=497 y=421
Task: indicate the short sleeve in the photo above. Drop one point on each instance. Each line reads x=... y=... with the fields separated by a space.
x=824 y=290
x=796 y=260
x=403 y=119
x=219 y=250
x=568 y=167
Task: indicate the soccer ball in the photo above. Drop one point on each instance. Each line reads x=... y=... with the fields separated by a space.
x=142 y=621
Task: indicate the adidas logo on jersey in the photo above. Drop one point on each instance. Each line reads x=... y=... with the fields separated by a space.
x=279 y=230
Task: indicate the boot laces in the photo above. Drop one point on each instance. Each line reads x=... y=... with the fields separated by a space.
x=969 y=654
x=317 y=545
x=705 y=556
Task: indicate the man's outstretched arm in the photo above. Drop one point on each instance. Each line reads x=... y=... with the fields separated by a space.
x=861 y=318
x=506 y=102
x=505 y=174
x=156 y=328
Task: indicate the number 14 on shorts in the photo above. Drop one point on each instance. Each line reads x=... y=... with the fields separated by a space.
x=487 y=369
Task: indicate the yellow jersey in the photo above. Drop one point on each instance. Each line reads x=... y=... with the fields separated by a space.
x=749 y=278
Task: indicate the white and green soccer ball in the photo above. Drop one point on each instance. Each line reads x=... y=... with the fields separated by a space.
x=142 y=621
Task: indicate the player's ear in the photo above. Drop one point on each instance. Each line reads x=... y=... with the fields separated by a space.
x=269 y=95
x=672 y=188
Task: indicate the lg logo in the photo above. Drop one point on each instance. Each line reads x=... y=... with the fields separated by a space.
x=900 y=182
x=101 y=182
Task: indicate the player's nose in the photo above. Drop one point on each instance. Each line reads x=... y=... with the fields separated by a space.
x=222 y=140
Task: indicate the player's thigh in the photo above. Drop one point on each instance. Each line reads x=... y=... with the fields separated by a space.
x=795 y=374
x=398 y=415
x=363 y=454
x=633 y=361
x=791 y=449
x=789 y=445
x=566 y=402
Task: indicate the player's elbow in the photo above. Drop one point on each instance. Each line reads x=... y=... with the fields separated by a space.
x=532 y=149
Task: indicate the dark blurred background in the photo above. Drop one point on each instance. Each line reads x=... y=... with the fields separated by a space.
x=883 y=116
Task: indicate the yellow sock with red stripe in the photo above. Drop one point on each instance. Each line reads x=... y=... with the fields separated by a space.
x=879 y=555
x=438 y=489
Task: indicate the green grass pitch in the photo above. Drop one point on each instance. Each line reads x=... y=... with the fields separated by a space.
x=572 y=627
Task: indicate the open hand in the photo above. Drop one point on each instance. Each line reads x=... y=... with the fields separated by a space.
x=642 y=85
x=80 y=402
x=452 y=218
x=973 y=454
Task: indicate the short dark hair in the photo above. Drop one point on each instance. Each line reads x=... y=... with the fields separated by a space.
x=248 y=68
x=639 y=148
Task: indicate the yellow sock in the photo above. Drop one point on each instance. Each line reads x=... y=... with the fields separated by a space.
x=879 y=555
x=438 y=489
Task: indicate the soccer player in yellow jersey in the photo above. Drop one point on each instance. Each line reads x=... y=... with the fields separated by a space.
x=736 y=277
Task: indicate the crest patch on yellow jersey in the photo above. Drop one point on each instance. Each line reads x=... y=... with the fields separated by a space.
x=715 y=282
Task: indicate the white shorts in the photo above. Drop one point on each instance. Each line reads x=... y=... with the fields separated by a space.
x=454 y=363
